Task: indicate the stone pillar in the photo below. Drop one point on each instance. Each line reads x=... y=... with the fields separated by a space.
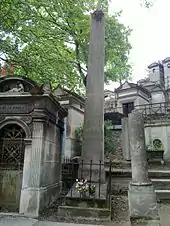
x=142 y=197
x=31 y=186
x=93 y=142
x=125 y=139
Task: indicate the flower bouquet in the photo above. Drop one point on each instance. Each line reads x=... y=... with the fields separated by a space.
x=82 y=186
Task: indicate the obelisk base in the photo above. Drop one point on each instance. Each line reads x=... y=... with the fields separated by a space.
x=143 y=205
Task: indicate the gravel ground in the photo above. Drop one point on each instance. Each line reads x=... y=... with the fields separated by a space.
x=119 y=216
x=120 y=211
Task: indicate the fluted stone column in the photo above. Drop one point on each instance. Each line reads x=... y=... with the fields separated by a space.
x=125 y=139
x=142 y=196
x=31 y=186
x=93 y=142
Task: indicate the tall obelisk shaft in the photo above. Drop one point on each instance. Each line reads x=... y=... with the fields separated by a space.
x=93 y=134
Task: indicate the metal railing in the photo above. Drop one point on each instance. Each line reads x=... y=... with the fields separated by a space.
x=78 y=180
x=149 y=111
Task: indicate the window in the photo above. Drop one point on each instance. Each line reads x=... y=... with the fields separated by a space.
x=128 y=108
x=12 y=147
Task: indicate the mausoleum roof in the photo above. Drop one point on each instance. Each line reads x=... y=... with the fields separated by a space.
x=166 y=60
x=67 y=92
x=155 y=64
x=128 y=85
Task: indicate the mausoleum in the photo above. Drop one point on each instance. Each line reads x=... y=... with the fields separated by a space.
x=151 y=97
x=31 y=130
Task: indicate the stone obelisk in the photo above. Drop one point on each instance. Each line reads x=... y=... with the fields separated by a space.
x=142 y=196
x=93 y=134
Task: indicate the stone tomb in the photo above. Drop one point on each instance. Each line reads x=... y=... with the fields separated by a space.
x=95 y=208
x=31 y=126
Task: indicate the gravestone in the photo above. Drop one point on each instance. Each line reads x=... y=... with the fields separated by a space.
x=93 y=132
x=142 y=196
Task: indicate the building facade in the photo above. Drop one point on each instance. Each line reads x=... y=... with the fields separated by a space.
x=74 y=104
x=151 y=96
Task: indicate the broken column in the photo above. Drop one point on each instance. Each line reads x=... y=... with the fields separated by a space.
x=142 y=196
x=93 y=134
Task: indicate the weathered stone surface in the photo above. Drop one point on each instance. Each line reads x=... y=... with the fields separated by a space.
x=93 y=144
x=84 y=213
x=146 y=223
x=142 y=201
x=141 y=194
x=16 y=221
x=125 y=139
x=22 y=221
x=138 y=151
x=42 y=158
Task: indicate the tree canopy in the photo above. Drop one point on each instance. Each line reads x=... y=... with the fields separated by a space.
x=47 y=40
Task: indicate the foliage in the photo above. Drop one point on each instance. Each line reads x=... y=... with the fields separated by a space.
x=48 y=40
x=147 y=3
x=109 y=145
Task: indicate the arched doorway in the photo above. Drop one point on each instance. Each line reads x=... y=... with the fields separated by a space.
x=12 y=150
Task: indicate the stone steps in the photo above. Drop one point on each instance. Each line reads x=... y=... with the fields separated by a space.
x=163 y=195
x=153 y=173
x=160 y=180
x=161 y=184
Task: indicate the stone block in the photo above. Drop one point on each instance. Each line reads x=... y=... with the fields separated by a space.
x=95 y=214
x=142 y=202
x=145 y=222
x=34 y=200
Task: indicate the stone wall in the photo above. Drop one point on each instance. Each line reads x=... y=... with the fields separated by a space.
x=41 y=183
x=50 y=175
x=157 y=129
x=75 y=120
x=154 y=129
x=10 y=189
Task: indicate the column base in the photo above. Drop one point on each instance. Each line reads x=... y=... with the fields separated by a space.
x=142 y=202
x=34 y=200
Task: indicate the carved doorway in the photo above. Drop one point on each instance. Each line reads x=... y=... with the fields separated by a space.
x=12 y=150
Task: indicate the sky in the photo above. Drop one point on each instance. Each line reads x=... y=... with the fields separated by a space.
x=150 y=38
